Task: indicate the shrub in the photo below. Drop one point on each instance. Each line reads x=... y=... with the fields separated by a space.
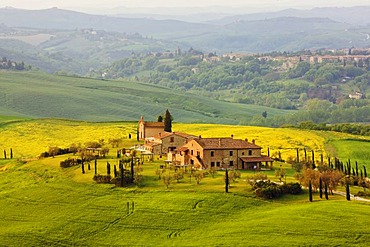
x=291 y=188
x=102 y=179
x=68 y=163
x=270 y=192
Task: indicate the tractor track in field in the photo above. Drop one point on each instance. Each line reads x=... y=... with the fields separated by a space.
x=175 y=234
x=197 y=204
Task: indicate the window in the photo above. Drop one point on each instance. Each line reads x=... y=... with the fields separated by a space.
x=192 y=162
x=212 y=164
x=231 y=153
x=172 y=139
x=191 y=152
x=212 y=153
x=242 y=153
x=218 y=164
x=231 y=163
x=198 y=153
x=249 y=152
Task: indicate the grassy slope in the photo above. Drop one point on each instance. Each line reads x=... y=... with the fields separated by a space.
x=35 y=94
x=45 y=205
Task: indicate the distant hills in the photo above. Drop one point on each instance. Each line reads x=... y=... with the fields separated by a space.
x=72 y=49
x=41 y=95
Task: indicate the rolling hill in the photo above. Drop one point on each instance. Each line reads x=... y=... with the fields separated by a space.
x=36 y=94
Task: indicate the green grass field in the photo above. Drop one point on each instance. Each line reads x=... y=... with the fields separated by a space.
x=36 y=94
x=43 y=204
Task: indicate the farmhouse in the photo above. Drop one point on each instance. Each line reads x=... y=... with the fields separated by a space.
x=220 y=153
x=149 y=129
x=165 y=142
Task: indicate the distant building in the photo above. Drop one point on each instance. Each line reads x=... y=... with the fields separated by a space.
x=149 y=129
x=356 y=95
x=204 y=153
x=166 y=142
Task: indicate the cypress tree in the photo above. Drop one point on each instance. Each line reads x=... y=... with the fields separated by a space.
x=268 y=151
x=108 y=168
x=88 y=166
x=313 y=160
x=326 y=191
x=348 y=194
x=132 y=168
x=167 y=121
x=121 y=173
x=310 y=190
x=227 y=181
x=329 y=163
x=4 y=154
x=362 y=175
x=137 y=134
x=320 y=187
x=353 y=172
x=297 y=155
x=83 y=168
x=11 y=153
x=356 y=169
x=305 y=154
x=365 y=173
x=95 y=167
x=115 y=171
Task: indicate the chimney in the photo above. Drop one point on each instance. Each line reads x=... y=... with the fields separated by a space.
x=253 y=141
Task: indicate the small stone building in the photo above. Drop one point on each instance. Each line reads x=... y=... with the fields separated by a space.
x=220 y=153
x=165 y=142
x=149 y=129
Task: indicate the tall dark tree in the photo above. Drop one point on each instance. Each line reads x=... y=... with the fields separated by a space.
x=313 y=160
x=160 y=118
x=11 y=153
x=348 y=194
x=356 y=169
x=326 y=191
x=115 y=171
x=310 y=190
x=4 y=154
x=227 y=181
x=121 y=174
x=83 y=168
x=320 y=187
x=365 y=173
x=95 y=166
x=108 y=168
x=305 y=154
x=297 y=159
x=167 y=121
x=132 y=168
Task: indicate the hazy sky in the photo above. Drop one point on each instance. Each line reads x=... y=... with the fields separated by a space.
x=85 y=5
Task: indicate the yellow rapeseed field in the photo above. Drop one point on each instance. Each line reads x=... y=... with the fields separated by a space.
x=31 y=138
x=283 y=140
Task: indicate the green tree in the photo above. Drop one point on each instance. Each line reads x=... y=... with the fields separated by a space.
x=167 y=121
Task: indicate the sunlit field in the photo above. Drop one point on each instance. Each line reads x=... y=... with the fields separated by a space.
x=43 y=204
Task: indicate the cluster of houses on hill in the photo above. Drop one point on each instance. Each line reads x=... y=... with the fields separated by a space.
x=184 y=150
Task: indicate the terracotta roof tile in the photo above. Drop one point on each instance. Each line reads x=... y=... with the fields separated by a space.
x=257 y=159
x=154 y=124
x=225 y=143
x=166 y=134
